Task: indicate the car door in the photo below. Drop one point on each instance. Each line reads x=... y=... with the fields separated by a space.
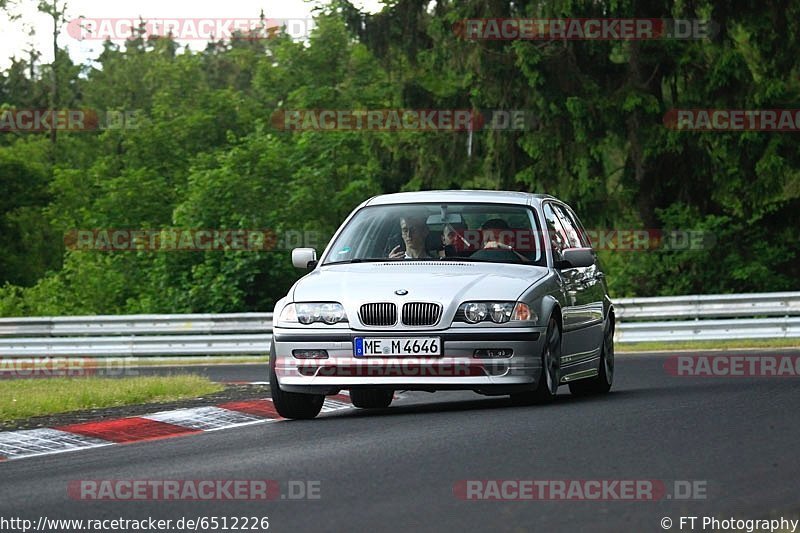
x=588 y=313
x=571 y=284
x=579 y=311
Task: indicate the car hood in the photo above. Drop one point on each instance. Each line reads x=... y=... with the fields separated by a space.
x=444 y=282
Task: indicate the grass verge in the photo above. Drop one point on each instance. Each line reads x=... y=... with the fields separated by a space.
x=36 y=397
x=705 y=345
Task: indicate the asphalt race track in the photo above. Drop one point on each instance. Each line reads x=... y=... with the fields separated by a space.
x=396 y=469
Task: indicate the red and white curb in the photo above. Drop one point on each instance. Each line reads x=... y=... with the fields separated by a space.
x=161 y=425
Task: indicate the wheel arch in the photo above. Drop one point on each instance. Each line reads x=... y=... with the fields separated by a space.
x=552 y=308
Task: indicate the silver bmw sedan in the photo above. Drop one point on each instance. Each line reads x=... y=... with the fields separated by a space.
x=495 y=292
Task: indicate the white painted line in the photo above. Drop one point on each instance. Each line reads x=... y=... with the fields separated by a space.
x=44 y=441
x=334 y=405
x=47 y=441
x=204 y=418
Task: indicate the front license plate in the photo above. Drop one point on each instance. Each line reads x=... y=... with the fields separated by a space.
x=397 y=347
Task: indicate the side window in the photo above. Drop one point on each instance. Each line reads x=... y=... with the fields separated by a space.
x=558 y=237
x=584 y=236
x=572 y=237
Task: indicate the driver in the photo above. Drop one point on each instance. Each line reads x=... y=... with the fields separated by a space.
x=493 y=248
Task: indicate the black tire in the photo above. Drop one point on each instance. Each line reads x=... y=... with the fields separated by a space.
x=292 y=404
x=601 y=383
x=547 y=388
x=371 y=398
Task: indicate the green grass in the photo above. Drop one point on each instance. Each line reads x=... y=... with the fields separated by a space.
x=705 y=345
x=35 y=397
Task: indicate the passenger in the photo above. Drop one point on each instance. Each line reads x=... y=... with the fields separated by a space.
x=414 y=231
x=453 y=241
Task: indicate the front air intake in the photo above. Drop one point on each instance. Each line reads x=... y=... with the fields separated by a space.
x=378 y=314
x=421 y=314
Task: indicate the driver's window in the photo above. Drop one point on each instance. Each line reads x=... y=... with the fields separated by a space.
x=558 y=239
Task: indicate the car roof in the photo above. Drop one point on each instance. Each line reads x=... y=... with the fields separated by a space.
x=455 y=196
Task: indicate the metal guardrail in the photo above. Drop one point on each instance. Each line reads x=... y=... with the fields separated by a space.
x=137 y=335
x=136 y=325
x=714 y=317
x=709 y=306
x=709 y=330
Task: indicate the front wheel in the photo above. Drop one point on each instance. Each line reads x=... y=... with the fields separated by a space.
x=547 y=388
x=371 y=398
x=292 y=404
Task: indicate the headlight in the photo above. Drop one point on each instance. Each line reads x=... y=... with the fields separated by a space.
x=501 y=312
x=475 y=312
x=331 y=313
x=308 y=313
x=497 y=312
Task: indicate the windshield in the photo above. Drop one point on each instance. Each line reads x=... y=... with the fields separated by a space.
x=448 y=232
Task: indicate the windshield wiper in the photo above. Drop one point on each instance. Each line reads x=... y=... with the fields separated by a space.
x=495 y=261
x=358 y=260
x=457 y=258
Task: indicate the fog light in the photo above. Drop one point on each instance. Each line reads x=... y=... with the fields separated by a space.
x=310 y=354
x=493 y=353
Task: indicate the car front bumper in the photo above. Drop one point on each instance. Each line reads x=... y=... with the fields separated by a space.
x=456 y=367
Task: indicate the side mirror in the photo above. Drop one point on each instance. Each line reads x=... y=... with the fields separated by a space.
x=575 y=258
x=305 y=258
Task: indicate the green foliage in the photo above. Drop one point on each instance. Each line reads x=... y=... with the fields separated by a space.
x=205 y=154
